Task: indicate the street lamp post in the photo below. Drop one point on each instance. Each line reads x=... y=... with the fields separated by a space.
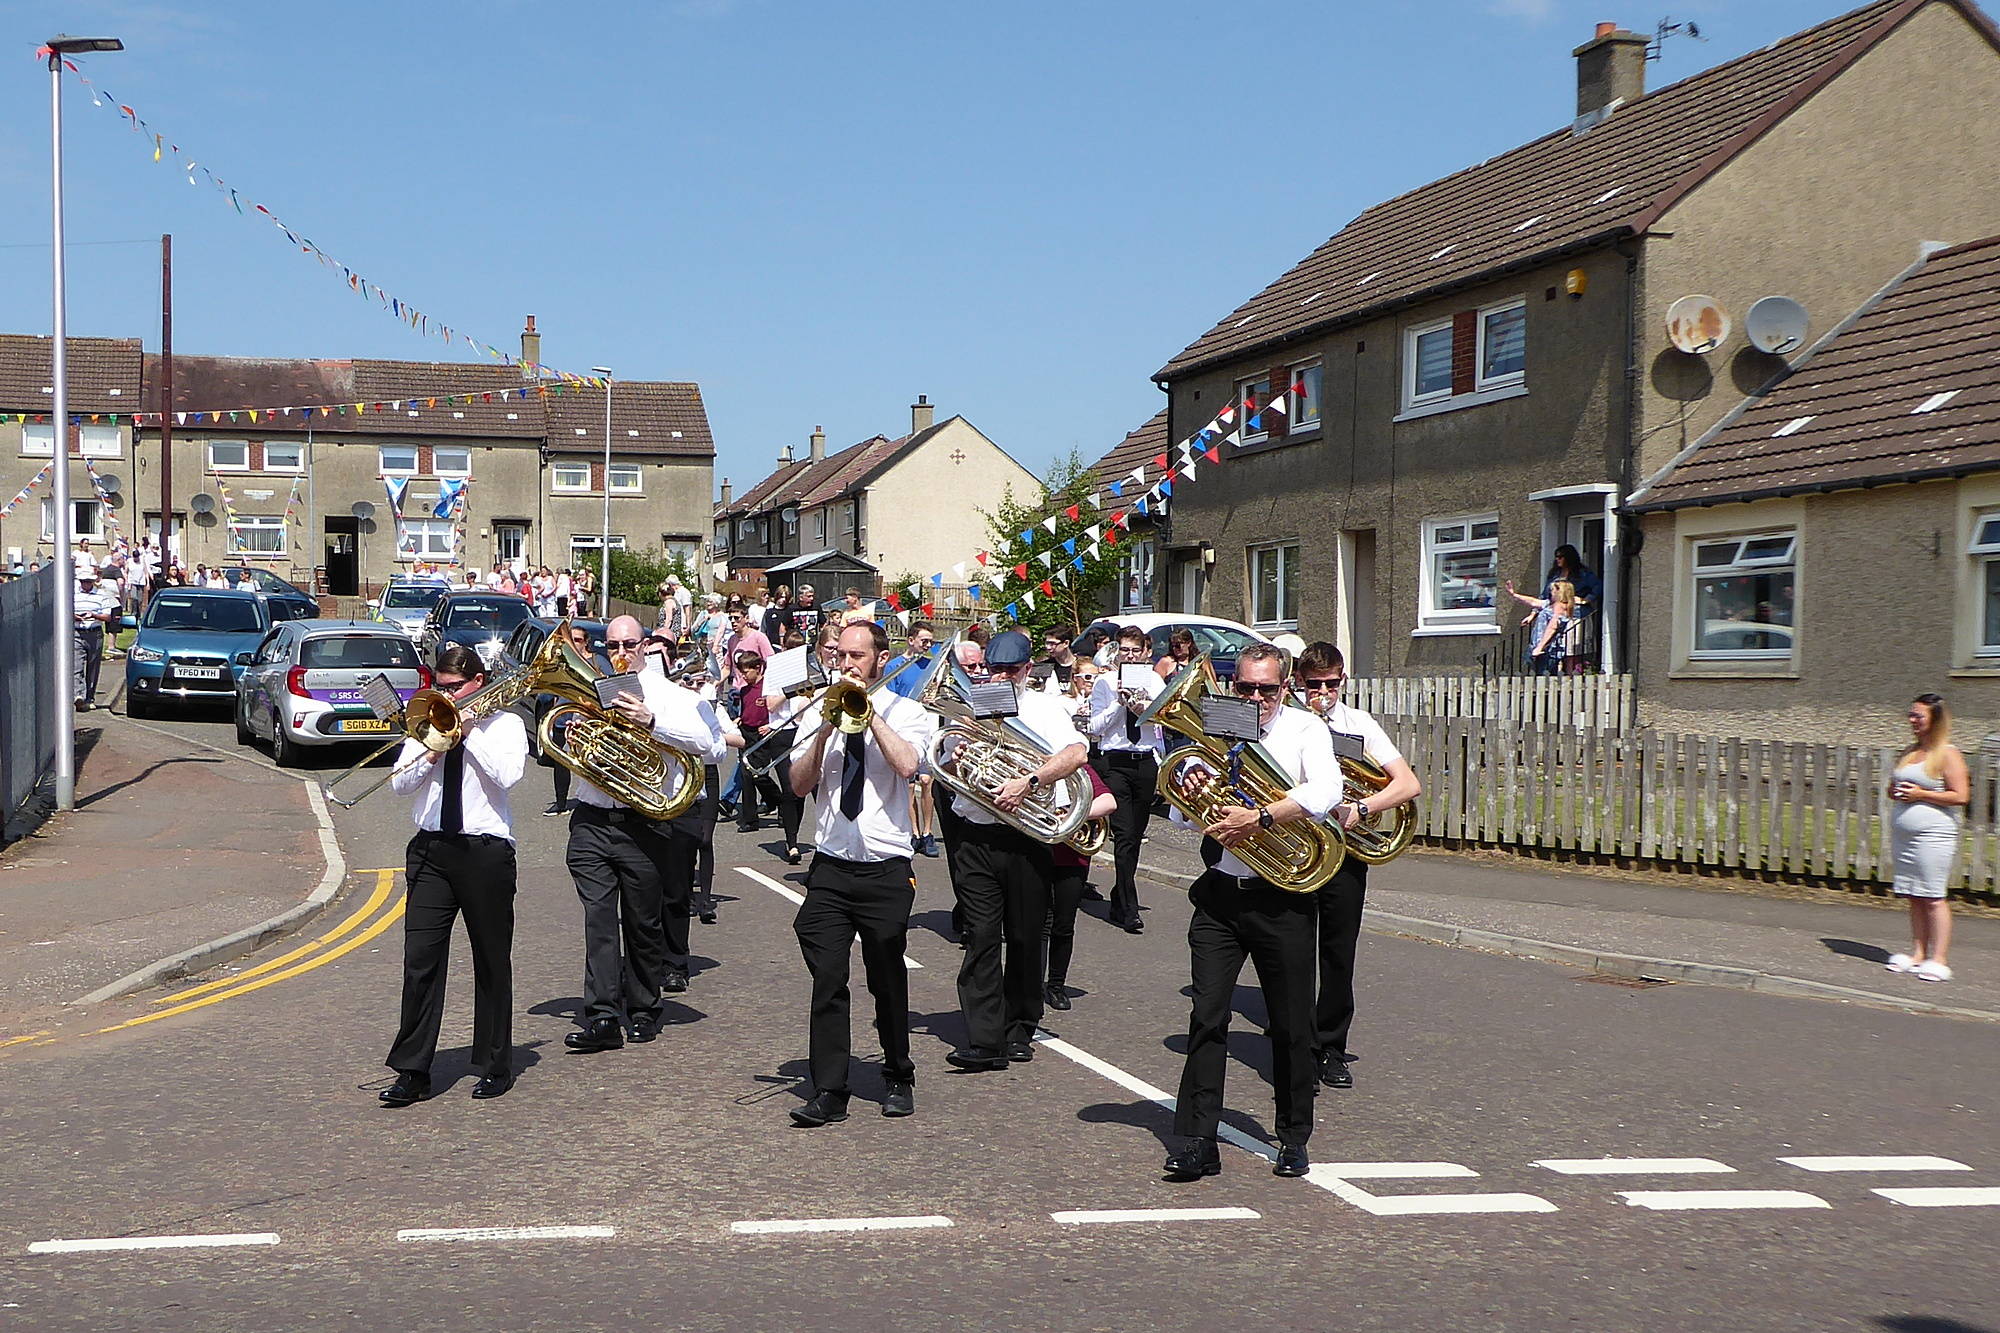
x=65 y=601
x=604 y=537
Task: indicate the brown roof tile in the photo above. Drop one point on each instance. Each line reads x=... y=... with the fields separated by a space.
x=96 y=367
x=804 y=482
x=1560 y=193
x=1140 y=446
x=647 y=417
x=1855 y=398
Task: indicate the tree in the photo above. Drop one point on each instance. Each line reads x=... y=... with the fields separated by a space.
x=636 y=575
x=1073 y=604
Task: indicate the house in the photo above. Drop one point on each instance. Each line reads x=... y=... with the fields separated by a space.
x=1138 y=561
x=1831 y=548
x=345 y=471
x=896 y=505
x=1478 y=370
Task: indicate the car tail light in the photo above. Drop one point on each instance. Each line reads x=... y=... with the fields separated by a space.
x=295 y=682
x=423 y=677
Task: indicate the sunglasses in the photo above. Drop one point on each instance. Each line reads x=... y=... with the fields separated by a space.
x=1246 y=690
x=447 y=686
x=623 y=643
x=1317 y=686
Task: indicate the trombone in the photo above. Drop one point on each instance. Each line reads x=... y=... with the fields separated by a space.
x=841 y=703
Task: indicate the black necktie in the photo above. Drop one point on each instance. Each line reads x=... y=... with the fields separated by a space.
x=853 y=774
x=1131 y=726
x=451 y=817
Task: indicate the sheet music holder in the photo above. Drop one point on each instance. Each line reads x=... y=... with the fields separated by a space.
x=610 y=687
x=993 y=698
x=789 y=672
x=1227 y=718
x=1347 y=746
x=381 y=697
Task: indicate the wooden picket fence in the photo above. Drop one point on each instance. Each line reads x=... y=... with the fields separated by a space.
x=1601 y=703
x=1754 y=806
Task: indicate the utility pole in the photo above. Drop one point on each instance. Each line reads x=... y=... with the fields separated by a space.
x=166 y=399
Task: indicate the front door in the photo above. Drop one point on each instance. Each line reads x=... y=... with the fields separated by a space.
x=1586 y=533
x=510 y=543
x=343 y=563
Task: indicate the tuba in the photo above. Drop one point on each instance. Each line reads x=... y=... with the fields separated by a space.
x=1299 y=856
x=1385 y=834
x=976 y=756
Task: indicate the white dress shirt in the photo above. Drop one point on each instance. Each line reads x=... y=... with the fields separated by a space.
x=1108 y=714
x=496 y=755
x=1375 y=742
x=882 y=831
x=1299 y=744
x=1050 y=719
x=681 y=718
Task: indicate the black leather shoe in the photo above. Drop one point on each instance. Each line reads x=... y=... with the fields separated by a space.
x=644 y=1030
x=407 y=1090
x=1334 y=1073
x=1134 y=926
x=823 y=1109
x=493 y=1085
x=792 y=856
x=708 y=912
x=1020 y=1052
x=1291 y=1161
x=725 y=810
x=603 y=1035
x=1056 y=997
x=1193 y=1160
x=899 y=1099
x=975 y=1060
x=674 y=982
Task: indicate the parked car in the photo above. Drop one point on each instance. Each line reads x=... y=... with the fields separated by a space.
x=407 y=603
x=289 y=601
x=522 y=645
x=1220 y=639
x=302 y=686
x=480 y=620
x=193 y=644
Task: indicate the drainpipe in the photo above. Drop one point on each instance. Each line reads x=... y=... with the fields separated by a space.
x=1617 y=571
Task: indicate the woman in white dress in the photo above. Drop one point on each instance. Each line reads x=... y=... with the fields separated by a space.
x=1931 y=790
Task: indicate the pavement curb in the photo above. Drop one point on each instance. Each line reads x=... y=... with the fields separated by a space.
x=1625 y=964
x=251 y=938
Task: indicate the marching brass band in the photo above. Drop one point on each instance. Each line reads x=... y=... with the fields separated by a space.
x=1294 y=793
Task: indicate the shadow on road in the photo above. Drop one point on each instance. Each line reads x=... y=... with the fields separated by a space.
x=141 y=776
x=1867 y=953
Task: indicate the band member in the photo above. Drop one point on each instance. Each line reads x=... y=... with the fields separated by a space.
x=1239 y=915
x=908 y=670
x=972 y=657
x=1052 y=672
x=1003 y=877
x=660 y=657
x=860 y=881
x=1319 y=675
x=461 y=860
x=1130 y=754
x=579 y=639
x=1066 y=893
x=619 y=859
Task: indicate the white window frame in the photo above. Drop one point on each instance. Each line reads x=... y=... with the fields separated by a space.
x=425 y=539
x=1482 y=381
x=819 y=527
x=86 y=518
x=590 y=541
x=101 y=441
x=634 y=471
x=1286 y=592
x=1984 y=550
x=556 y=484
x=38 y=439
x=1295 y=423
x=1411 y=336
x=382 y=453
x=1697 y=573
x=438 y=453
x=1459 y=620
x=1243 y=387
x=722 y=536
x=215 y=466
x=1142 y=555
x=518 y=532
x=265 y=526
x=293 y=469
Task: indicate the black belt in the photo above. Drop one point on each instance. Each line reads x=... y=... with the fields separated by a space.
x=598 y=814
x=441 y=836
x=1241 y=882
x=1130 y=756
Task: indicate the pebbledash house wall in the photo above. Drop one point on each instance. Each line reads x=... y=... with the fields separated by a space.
x=921 y=514
x=1366 y=470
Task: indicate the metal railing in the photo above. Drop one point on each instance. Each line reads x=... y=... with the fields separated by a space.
x=1513 y=655
x=27 y=676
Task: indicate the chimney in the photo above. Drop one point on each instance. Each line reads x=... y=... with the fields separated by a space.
x=818 y=445
x=921 y=413
x=728 y=492
x=531 y=349
x=785 y=456
x=1609 y=67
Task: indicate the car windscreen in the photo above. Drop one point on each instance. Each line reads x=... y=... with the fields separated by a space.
x=1219 y=642
x=334 y=651
x=408 y=598
x=223 y=615
x=283 y=608
x=501 y=613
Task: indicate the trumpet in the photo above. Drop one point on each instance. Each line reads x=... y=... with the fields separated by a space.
x=843 y=704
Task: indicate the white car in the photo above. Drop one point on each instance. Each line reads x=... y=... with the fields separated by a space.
x=303 y=686
x=406 y=603
x=1220 y=639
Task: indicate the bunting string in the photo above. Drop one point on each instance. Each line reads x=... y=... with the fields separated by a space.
x=27 y=490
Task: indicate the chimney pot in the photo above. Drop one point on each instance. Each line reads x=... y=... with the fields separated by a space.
x=1606 y=29
x=922 y=414
x=1610 y=67
x=818 y=445
x=785 y=454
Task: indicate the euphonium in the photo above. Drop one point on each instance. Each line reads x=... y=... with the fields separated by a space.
x=1298 y=856
x=1385 y=834
x=976 y=756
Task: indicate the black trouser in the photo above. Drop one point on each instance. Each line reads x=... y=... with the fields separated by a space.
x=1133 y=779
x=951 y=830
x=448 y=874
x=676 y=849
x=777 y=789
x=871 y=899
x=1004 y=889
x=1234 y=919
x=1065 y=892
x=1340 y=900
x=614 y=856
x=704 y=860
x=562 y=784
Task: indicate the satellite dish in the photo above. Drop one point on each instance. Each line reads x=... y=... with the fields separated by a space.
x=109 y=483
x=363 y=510
x=1775 y=324
x=202 y=503
x=114 y=499
x=790 y=513
x=1697 y=324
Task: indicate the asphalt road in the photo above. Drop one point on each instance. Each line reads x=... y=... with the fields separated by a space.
x=1432 y=1204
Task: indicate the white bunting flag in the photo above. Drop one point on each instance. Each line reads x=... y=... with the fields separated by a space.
x=1097 y=499
x=1095 y=530
x=958 y=572
x=1050 y=522
x=1092 y=552
x=1029 y=597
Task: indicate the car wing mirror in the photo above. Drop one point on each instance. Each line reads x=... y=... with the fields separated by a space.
x=128 y=622
x=243 y=659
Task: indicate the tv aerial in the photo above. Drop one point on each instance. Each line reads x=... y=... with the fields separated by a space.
x=1775 y=324
x=1669 y=27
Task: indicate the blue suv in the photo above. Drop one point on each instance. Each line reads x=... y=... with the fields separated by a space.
x=194 y=643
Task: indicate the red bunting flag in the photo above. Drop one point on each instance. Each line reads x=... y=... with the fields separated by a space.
x=1159 y=460
x=981 y=558
x=1111 y=534
x=895 y=602
x=1214 y=454
x=1074 y=513
x=929 y=609
x=1021 y=570
x=1047 y=591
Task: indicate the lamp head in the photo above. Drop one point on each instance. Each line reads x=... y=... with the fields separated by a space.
x=66 y=45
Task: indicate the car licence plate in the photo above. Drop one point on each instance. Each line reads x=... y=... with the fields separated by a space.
x=349 y=726
x=198 y=673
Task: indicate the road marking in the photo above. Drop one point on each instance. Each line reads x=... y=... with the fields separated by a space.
x=786 y=891
x=1337 y=1179
x=154 y=1243
x=26 y=1036
x=384 y=881
x=791 y=1226
x=1082 y=1217
x=1669 y=1200
x=382 y=923
x=507 y=1233
x=1635 y=1166
x=1133 y=1083
x=1875 y=1163
x=1945 y=1196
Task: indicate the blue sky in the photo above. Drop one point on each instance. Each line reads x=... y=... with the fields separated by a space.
x=815 y=210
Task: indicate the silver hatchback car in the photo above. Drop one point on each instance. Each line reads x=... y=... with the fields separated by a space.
x=303 y=685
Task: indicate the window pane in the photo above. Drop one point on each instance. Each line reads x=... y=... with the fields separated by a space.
x=1433 y=359
x=100 y=441
x=228 y=454
x=1991 y=637
x=1305 y=407
x=1256 y=392
x=1289 y=582
x=1264 y=577
x=399 y=458
x=1463 y=580
x=1506 y=343
x=1767 y=548
x=572 y=476
x=358 y=650
x=451 y=462
x=39 y=440
x=1486 y=531
x=1712 y=554
x=1989 y=531
x=625 y=477
x=1744 y=613
x=283 y=457
x=1455 y=533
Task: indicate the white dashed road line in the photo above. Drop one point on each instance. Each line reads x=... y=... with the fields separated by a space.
x=154 y=1243
x=1635 y=1166
x=1084 y=1217
x=1875 y=1163
x=1671 y=1200
x=507 y=1233
x=786 y=891
x=1337 y=1178
x=1945 y=1196
x=793 y=1226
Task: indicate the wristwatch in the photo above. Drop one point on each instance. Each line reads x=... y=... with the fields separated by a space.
x=1361 y=810
x=1034 y=781
x=1264 y=820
